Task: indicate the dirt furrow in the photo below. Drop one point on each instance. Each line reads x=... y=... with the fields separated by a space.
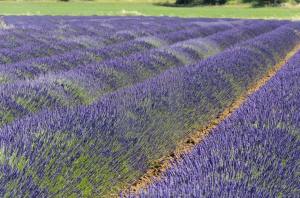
x=187 y=144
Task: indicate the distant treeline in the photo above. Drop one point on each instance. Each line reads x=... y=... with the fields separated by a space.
x=221 y=2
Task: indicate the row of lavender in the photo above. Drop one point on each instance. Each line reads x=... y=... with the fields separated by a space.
x=108 y=51
x=19 y=99
x=99 y=32
x=184 y=45
x=71 y=82
x=31 y=43
x=254 y=153
x=155 y=37
x=93 y=150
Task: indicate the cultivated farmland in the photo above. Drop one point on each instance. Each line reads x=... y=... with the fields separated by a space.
x=148 y=106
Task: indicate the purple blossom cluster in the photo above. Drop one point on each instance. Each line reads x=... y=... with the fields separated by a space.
x=115 y=95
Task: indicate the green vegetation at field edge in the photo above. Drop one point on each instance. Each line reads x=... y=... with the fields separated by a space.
x=147 y=9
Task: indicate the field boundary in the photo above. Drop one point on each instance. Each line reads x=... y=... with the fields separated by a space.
x=142 y=7
x=188 y=143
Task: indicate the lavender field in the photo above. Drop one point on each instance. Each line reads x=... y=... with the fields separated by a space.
x=89 y=104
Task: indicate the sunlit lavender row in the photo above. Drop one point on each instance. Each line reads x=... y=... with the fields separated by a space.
x=254 y=153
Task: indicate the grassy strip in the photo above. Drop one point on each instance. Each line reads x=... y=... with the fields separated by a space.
x=122 y=8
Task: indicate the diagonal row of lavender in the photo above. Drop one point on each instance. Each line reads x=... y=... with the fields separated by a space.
x=26 y=97
x=73 y=58
x=254 y=153
x=117 y=73
x=94 y=150
x=181 y=48
x=53 y=22
x=97 y=28
x=54 y=45
x=84 y=84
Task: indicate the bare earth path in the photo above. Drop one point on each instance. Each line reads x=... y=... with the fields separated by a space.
x=189 y=142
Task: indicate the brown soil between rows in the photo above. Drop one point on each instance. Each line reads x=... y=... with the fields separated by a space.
x=188 y=143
